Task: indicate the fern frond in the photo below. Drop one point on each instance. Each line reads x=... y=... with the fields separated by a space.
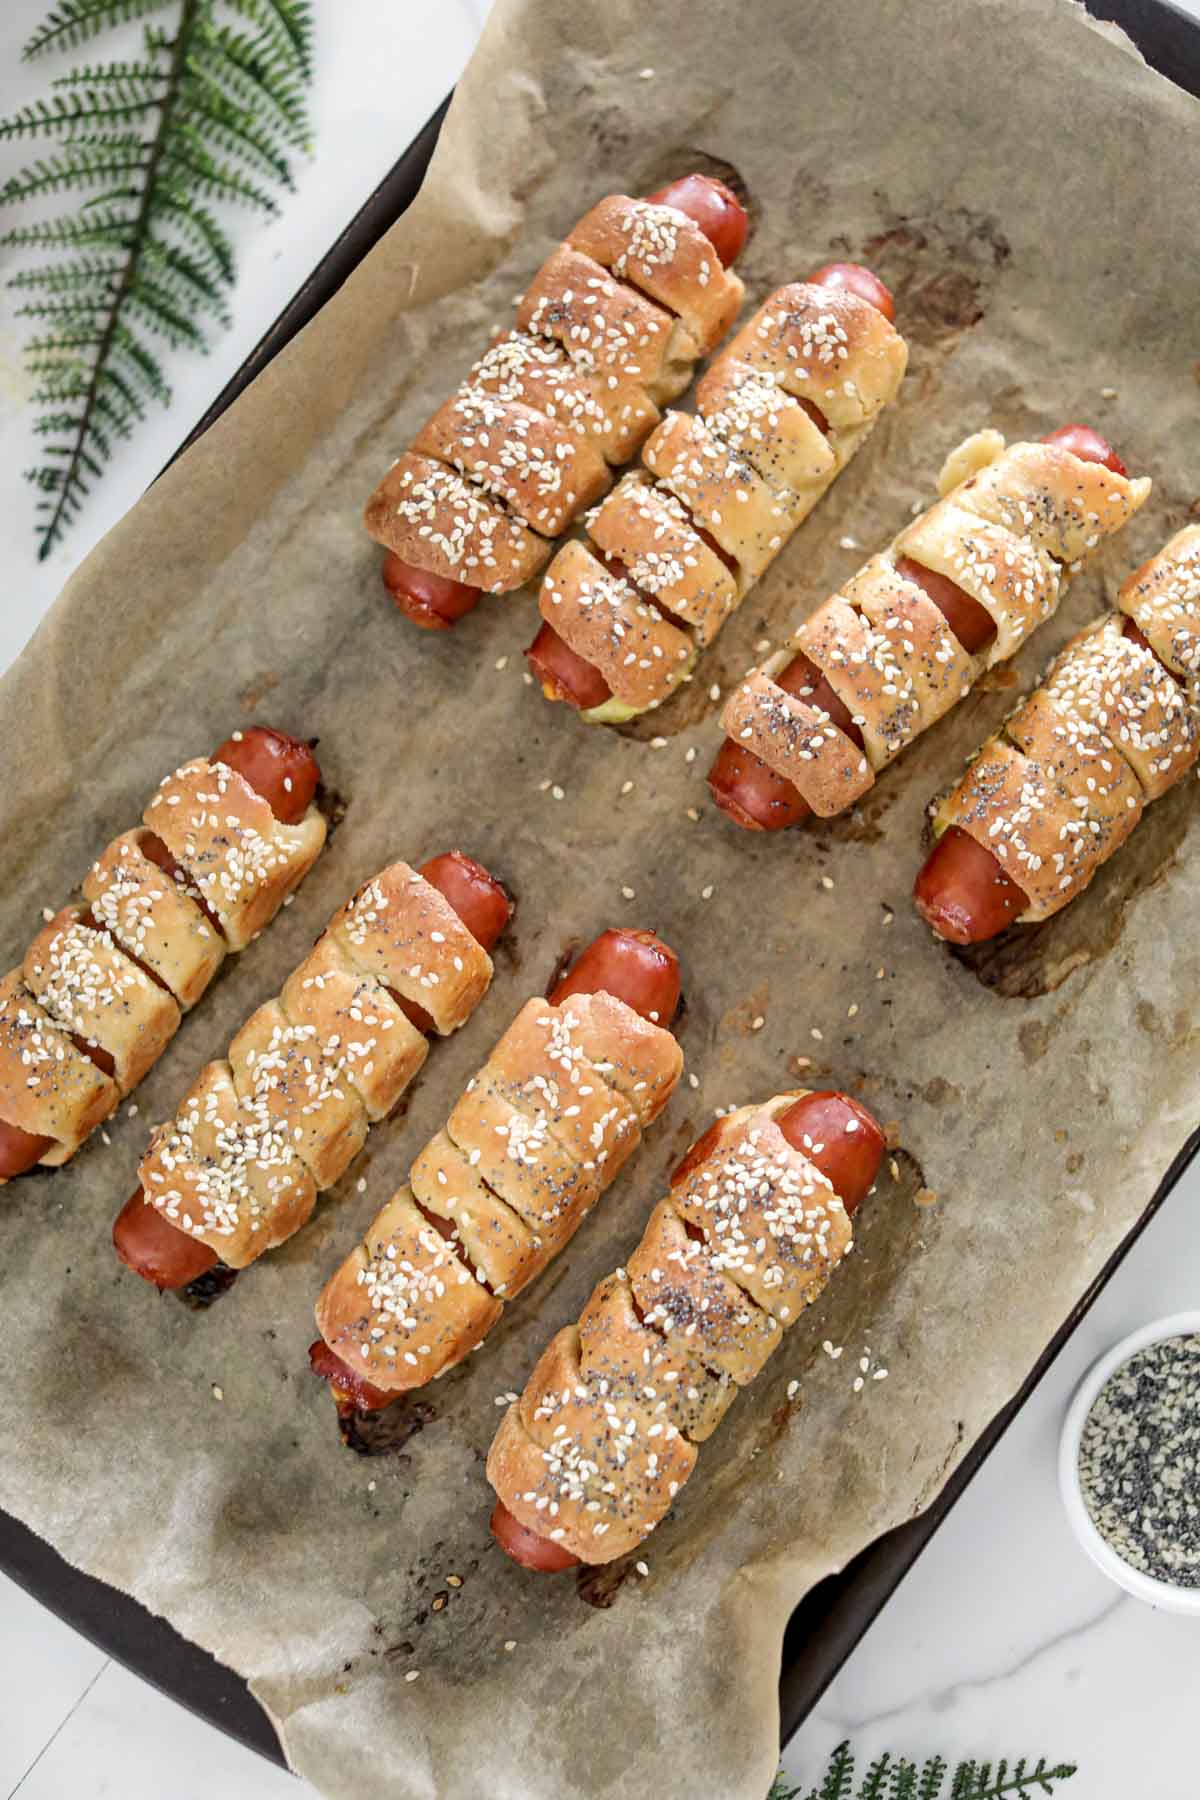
x=875 y=1781
x=198 y=227
x=72 y=22
x=207 y=114
x=63 y=278
x=195 y=284
x=246 y=69
x=113 y=230
x=76 y=109
x=932 y=1777
x=288 y=22
x=219 y=120
x=76 y=168
x=903 y=1783
x=215 y=178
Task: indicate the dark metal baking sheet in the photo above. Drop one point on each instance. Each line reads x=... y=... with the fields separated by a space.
x=830 y=1621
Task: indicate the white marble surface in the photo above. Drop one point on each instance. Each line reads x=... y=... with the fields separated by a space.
x=1004 y=1638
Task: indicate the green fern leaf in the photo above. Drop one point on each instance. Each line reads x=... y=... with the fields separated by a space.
x=288 y=21
x=71 y=22
x=903 y=1783
x=875 y=1781
x=150 y=144
x=780 y=1789
x=932 y=1776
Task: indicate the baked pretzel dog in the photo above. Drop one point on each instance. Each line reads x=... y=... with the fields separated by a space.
x=900 y=643
x=610 y=328
x=258 y=1136
x=1060 y=787
x=539 y=1135
x=104 y=984
x=757 y=1218
x=677 y=545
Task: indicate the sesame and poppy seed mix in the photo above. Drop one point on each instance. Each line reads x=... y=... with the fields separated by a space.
x=1139 y=1461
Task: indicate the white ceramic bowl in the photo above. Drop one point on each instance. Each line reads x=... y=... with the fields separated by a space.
x=1143 y=1587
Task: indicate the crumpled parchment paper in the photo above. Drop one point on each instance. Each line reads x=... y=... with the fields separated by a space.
x=1031 y=191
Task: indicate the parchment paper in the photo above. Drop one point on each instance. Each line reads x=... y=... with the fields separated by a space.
x=1031 y=191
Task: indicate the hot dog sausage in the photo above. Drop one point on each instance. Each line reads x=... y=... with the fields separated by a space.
x=148 y=1243
x=526 y=1547
x=841 y=1138
x=1087 y=445
x=633 y=966
x=350 y=1390
x=280 y=768
x=752 y=794
x=860 y=281
x=963 y=893
x=433 y=602
x=145 y=1238
x=971 y=623
x=19 y=1150
x=564 y=675
x=712 y=206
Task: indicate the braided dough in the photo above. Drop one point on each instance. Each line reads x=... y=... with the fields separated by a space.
x=609 y=329
x=1009 y=530
x=260 y=1135
x=540 y=1133
x=118 y=973
x=1063 y=783
x=747 y=470
x=596 y=1449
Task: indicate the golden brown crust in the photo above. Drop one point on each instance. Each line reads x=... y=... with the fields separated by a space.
x=614 y=416
x=889 y=654
x=47 y=1087
x=434 y=518
x=749 y=410
x=605 y=1430
x=154 y=918
x=287 y=1076
x=647 y=529
x=538 y=1135
x=721 y=490
x=1122 y=688
x=1016 y=583
x=641 y=655
x=91 y=989
x=607 y=327
x=632 y=1359
x=907 y=632
x=260 y=1135
x=239 y=856
x=499 y=1246
x=405 y=934
x=542 y=471
x=574 y=1466
x=380 y=1049
x=1050 y=799
x=800 y=742
x=1061 y=504
x=827 y=346
x=664 y=253
x=1163 y=600
x=403 y=1307
x=226 y=1173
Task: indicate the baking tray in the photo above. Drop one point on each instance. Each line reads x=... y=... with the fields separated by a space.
x=833 y=1617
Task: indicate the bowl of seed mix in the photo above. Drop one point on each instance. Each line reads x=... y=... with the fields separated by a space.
x=1129 y=1463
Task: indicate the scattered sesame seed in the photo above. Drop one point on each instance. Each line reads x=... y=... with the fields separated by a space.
x=627 y=787
x=827 y=881
x=412 y=1674
x=852 y=1010
x=793 y=1388
x=819 y=1035
x=361 y=1185
x=658 y=743
x=556 y=793
x=692 y=814
x=218 y=1393
x=859 y=1384
x=1108 y=393
x=693 y=1080
x=501 y=662
x=848 y=543
x=510 y=1643
x=642 y=1568
x=706 y=893
x=454 y=1581
x=714 y=692
x=757 y=1023
x=645 y=74
x=627 y=893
